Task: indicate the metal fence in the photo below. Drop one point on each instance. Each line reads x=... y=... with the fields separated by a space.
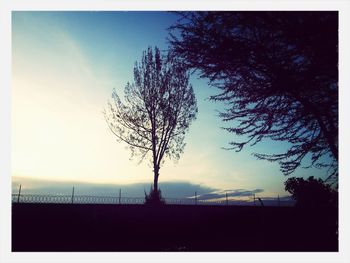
x=91 y=199
x=87 y=199
x=77 y=199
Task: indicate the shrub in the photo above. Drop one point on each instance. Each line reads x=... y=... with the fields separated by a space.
x=154 y=197
x=311 y=192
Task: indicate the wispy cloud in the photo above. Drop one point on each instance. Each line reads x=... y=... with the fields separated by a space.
x=229 y=193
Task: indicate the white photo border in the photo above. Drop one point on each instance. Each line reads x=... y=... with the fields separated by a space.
x=7 y=6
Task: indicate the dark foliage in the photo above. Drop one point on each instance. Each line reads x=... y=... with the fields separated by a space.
x=311 y=192
x=158 y=109
x=277 y=72
x=154 y=197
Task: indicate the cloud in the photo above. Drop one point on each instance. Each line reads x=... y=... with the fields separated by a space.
x=244 y=197
x=176 y=189
x=230 y=193
x=173 y=189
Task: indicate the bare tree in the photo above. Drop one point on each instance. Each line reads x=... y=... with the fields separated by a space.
x=278 y=74
x=158 y=110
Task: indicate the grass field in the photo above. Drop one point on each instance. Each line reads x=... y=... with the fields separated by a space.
x=88 y=227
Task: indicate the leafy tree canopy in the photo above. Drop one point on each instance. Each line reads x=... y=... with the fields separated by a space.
x=277 y=72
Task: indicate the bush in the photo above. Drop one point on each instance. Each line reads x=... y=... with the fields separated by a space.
x=154 y=197
x=311 y=192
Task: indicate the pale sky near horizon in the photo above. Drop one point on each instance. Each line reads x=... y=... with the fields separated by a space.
x=64 y=67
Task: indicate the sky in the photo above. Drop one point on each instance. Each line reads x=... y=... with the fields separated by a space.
x=64 y=68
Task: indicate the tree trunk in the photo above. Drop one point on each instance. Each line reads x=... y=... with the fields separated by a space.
x=330 y=138
x=156 y=175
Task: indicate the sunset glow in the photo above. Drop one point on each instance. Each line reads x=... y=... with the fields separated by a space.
x=64 y=67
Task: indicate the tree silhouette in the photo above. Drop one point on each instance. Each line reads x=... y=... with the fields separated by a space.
x=277 y=73
x=311 y=192
x=158 y=109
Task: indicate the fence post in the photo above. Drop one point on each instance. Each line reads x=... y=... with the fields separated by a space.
x=254 y=198
x=226 y=199
x=73 y=195
x=195 y=198
x=19 y=193
x=120 y=194
x=279 y=204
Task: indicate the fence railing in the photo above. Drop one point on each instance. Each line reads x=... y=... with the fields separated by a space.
x=92 y=199
x=87 y=199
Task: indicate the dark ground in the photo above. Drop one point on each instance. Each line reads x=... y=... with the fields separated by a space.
x=65 y=227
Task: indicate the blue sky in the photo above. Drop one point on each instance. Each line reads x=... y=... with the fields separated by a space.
x=64 y=67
